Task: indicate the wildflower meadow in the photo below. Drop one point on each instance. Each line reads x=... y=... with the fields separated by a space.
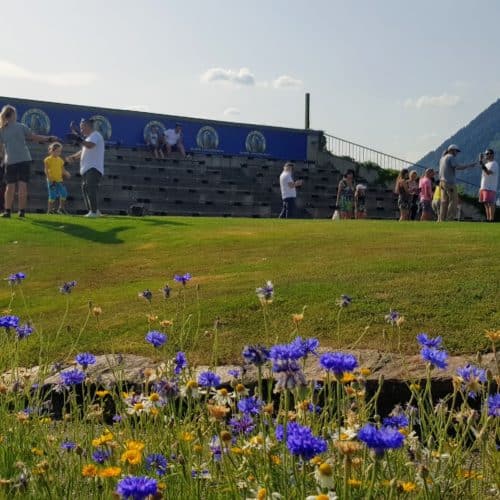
x=183 y=433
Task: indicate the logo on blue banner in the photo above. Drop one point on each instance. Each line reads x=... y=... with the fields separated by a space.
x=255 y=142
x=207 y=138
x=37 y=120
x=149 y=126
x=102 y=125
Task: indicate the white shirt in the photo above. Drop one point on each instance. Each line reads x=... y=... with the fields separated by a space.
x=490 y=182
x=171 y=136
x=93 y=157
x=287 y=191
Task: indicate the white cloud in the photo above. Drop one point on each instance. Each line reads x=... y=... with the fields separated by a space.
x=231 y=112
x=243 y=76
x=62 y=79
x=138 y=107
x=286 y=81
x=425 y=101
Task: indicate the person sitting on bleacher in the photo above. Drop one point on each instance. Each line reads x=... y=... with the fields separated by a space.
x=153 y=142
x=173 y=140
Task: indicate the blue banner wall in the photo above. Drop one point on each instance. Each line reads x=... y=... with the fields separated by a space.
x=129 y=128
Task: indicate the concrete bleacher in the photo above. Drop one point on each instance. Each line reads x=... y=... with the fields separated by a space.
x=205 y=185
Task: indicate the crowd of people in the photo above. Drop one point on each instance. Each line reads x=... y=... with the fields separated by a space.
x=425 y=198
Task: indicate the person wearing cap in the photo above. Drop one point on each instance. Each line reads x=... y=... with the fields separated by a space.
x=172 y=138
x=489 y=184
x=360 y=202
x=448 y=165
x=91 y=165
x=288 y=191
x=425 y=194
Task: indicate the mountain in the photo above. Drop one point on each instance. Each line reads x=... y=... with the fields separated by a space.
x=481 y=133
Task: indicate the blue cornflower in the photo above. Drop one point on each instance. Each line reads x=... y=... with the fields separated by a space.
x=494 y=405
x=285 y=356
x=301 y=441
x=255 y=355
x=242 y=424
x=9 y=322
x=306 y=346
x=338 y=362
x=68 y=445
x=156 y=339
x=117 y=419
x=344 y=301
x=234 y=373
x=250 y=405
x=85 y=359
x=435 y=357
x=208 y=379
x=184 y=278
x=265 y=293
x=100 y=456
x=397 y=421
x=216 y=448
x=137 y=487
x=72 y=377
x=279 y=432
x=67 y=287
x=426 y=341
x=381 y=439
x=23 y=331
x=156 y=463
x=16 y=278
x=392 y=317
x=180 y=362
x=472 y=377
x=146 y=294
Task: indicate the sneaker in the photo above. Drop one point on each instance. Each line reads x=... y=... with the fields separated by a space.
x=5 y=215
x=21 y=214
x=91 y=215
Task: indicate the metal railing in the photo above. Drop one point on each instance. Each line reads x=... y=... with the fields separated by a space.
x=360 y=154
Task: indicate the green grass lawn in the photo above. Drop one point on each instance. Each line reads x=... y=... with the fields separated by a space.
x=444 y=278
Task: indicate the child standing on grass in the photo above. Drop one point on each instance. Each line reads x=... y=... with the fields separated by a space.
x=55 y=172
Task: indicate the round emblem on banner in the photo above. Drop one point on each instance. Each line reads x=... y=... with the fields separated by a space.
x=207 y=138
x=150 y=126
x=102 y=125
x=37 y=120
x=255 y=142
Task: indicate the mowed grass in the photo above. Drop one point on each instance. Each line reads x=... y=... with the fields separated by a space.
x=443 y=278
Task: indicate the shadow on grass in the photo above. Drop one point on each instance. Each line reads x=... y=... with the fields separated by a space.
x=108 y=237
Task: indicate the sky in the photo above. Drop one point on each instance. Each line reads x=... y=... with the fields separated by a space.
x=399 y=76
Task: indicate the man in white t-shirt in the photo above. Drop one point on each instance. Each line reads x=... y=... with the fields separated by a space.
x=489 y=184
x=288 y=191
x=173 y=140
x=91 y=165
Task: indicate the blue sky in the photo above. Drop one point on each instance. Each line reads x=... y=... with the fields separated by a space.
x=399 y=76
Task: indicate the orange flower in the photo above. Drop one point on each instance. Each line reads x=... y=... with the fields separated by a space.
x=89 y=470
x=132 y=456
x=217 y=412
x=103 y=439
x=134 y=445
x=110 y=472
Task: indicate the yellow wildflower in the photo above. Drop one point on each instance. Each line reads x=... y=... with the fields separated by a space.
x=407 y=487
x=297 y=318
x=89 y=470
x=96 y=311
x=102 y=394
x=261 y=494
x=37 y=451
x=275 y=459
x=110 y=472
x=154 y=396
x=197 y=448
x=187 y=436
x=132 y=456
x=41 y=468
x=415 y=387
x=347 y=377
x=152 y=318
x=355 y=483
x=103 y=439
x=365 y=372
x=166 y=323
x=134 y=445
x=493 y=335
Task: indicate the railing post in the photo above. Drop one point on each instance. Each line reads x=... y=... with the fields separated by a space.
x=308 y=97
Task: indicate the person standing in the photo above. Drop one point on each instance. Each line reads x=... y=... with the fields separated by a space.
x=489 y=184
x=360 y=202
x=404 y=198
x=17 y=158
x=91 y=166
x=425 y=193
x=345 y=195
x=288 y=191
x=55 y=173
x=448 y=166
x=436 y=202
x=413 y=190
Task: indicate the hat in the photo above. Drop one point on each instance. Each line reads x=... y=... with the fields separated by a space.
x=361 y=187
x=453 y=147
x=489 y=151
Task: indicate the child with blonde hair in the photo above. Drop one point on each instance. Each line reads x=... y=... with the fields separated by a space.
x=55 y=172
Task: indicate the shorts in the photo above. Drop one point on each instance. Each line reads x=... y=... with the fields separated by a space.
x=487 y=196
x=57 y=190
x=426 y=207
x=18 y=172
x=404 y=203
